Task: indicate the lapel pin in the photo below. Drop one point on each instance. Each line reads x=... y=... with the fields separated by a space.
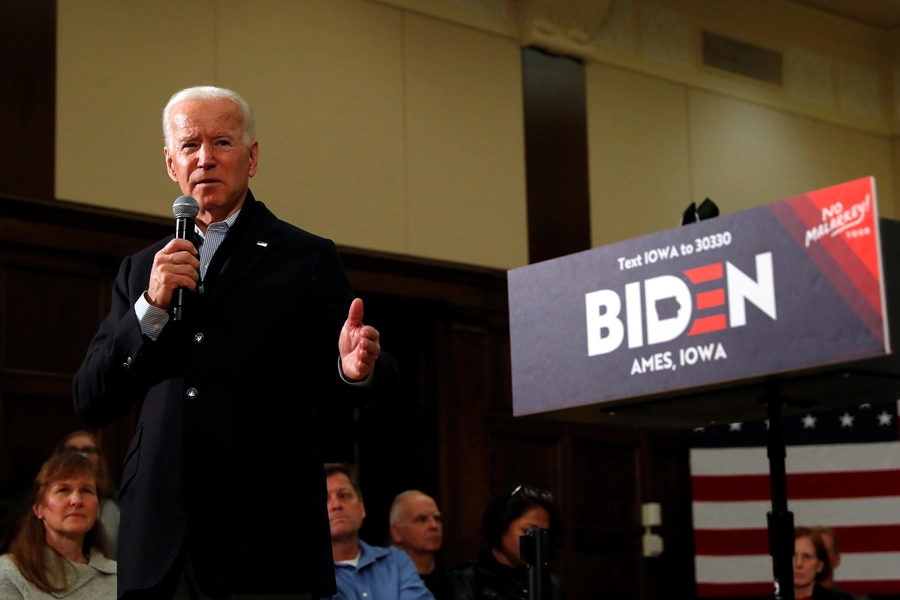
x=263 y=244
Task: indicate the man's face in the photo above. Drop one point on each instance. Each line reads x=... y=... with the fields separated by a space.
x=208 y=157
x=833 y=559
x=345 y=508
x=420 y=524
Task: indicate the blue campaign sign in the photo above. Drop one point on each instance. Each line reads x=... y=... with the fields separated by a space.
x=771 y=290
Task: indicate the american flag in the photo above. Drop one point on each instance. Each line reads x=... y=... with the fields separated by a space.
x=843 y=471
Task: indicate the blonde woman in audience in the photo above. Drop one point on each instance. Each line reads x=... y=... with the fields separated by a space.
x=57 y=551
x=87 y=445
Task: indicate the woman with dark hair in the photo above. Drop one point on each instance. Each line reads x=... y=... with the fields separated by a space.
x=811 y=566
x=87 y=445
x=57 y=551
x=498 y=572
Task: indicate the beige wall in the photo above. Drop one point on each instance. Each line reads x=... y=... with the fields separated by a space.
x=378 y=128
x=656 y=146
x=396 y=125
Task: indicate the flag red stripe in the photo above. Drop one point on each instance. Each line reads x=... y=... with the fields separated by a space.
x=707 y=273
x=750 y=542
x=707 y=324
x=710 y=299
x=872 y=586
x=721 y=590
x=801 y=486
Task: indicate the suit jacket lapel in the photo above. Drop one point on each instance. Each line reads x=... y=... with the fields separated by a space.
x=256 y=242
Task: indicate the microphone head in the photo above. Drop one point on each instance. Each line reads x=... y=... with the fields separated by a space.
x=185 y=206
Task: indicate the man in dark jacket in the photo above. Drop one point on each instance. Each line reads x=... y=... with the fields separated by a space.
x=223 y=490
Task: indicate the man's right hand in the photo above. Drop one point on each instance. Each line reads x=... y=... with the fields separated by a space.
x=174 y=266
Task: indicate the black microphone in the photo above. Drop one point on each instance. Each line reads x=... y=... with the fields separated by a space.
x=185 y=210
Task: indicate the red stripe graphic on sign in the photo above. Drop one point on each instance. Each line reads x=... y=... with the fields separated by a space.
x=707 y=273
x=859 y=298
x=710 y=299
x=707 y=324
x=840 y=251
x=802 y=486
x=856 y=221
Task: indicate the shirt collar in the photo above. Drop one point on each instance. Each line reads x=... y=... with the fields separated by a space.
x=226 y=225
x=369 y=554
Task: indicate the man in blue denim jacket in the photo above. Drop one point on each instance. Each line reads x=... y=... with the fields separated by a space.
x=364 y=572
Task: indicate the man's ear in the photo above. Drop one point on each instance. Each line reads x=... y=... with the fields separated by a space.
x=395 y=534
x=836 y=562
x=254 y=158
x=169 y=169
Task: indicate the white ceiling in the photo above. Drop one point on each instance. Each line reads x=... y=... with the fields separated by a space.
x=884 y=14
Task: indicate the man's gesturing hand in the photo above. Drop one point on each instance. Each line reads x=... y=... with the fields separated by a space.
x=174 y=266
x=358 y=344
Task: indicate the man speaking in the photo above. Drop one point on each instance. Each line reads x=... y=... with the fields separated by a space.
x=223 y=491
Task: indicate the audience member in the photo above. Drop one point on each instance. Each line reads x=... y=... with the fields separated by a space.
x=416 y=529
x=499 y=573
x=364 y=572
x=811 y=567
x=833 y=547
x=87 y=445
x=58 y=548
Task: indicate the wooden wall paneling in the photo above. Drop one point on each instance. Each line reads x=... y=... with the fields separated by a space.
x=518 y=458
x=28 y=81
x=5 y=459
x=31 y=426
x=464 y=375
x=501 y=364
x=538 y=452
x=94 y=233
x=48 y=300
x=606 y=512
x=58 y=262
x=397 y=448
x=48 y=313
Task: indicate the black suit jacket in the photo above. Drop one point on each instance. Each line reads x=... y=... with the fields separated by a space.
x=225 y=459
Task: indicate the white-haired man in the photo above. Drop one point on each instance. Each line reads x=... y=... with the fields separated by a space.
x=416 y=528
x=226 y=394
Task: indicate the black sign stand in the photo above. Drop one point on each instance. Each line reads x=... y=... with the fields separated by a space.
x=534 y=549
x=781 y=520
